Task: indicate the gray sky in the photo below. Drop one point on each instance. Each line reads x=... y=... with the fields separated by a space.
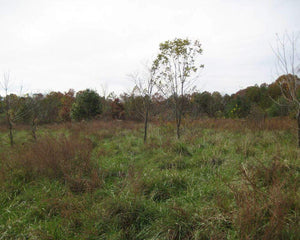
x=60 y=44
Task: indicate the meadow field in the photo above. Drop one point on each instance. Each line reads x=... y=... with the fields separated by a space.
x=224 y=179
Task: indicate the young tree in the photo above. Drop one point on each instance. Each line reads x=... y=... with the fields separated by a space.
x=144 y=86
x=175 y=65
x=117 y=109
x=50 y=107
x=5 y=87
x=20 y=109
x=288 y=68
x=67 y=100
x=1 y=105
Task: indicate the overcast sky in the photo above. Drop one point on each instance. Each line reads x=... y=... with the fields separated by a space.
x=60 y=44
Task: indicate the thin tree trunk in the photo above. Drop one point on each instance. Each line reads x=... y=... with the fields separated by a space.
x=11 y=136
x=298 y=121
x=9 y=122
x=178 y=130
x=146 y=125
x=177 y=119
x=178 y=122
x=33 y=128
x=7 y=108
x=179 y=111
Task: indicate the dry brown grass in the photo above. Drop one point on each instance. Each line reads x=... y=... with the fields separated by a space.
x=283 y=123
x=276 y=123
x=96 y=125
x=267 y=202
x=67 y=159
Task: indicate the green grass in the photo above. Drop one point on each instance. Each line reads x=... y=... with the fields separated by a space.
x=199 y=187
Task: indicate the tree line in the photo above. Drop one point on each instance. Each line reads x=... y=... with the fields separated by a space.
x=56 y=107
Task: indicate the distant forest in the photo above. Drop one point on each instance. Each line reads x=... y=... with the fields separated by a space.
x=257 y=102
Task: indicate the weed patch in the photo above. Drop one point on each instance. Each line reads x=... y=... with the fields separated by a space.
x=267 y=202
x=63 y=158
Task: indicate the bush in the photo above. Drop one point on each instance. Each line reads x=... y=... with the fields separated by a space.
x=280 y=108
x=86 y=106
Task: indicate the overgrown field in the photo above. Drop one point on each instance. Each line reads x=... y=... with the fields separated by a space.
x=225 y=179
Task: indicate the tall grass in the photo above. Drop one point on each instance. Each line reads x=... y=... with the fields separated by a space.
x=267 y=201
x=98 y=180
x=270 y=124
x=67 y=159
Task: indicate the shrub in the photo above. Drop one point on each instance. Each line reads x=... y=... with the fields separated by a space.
x=86 y=106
